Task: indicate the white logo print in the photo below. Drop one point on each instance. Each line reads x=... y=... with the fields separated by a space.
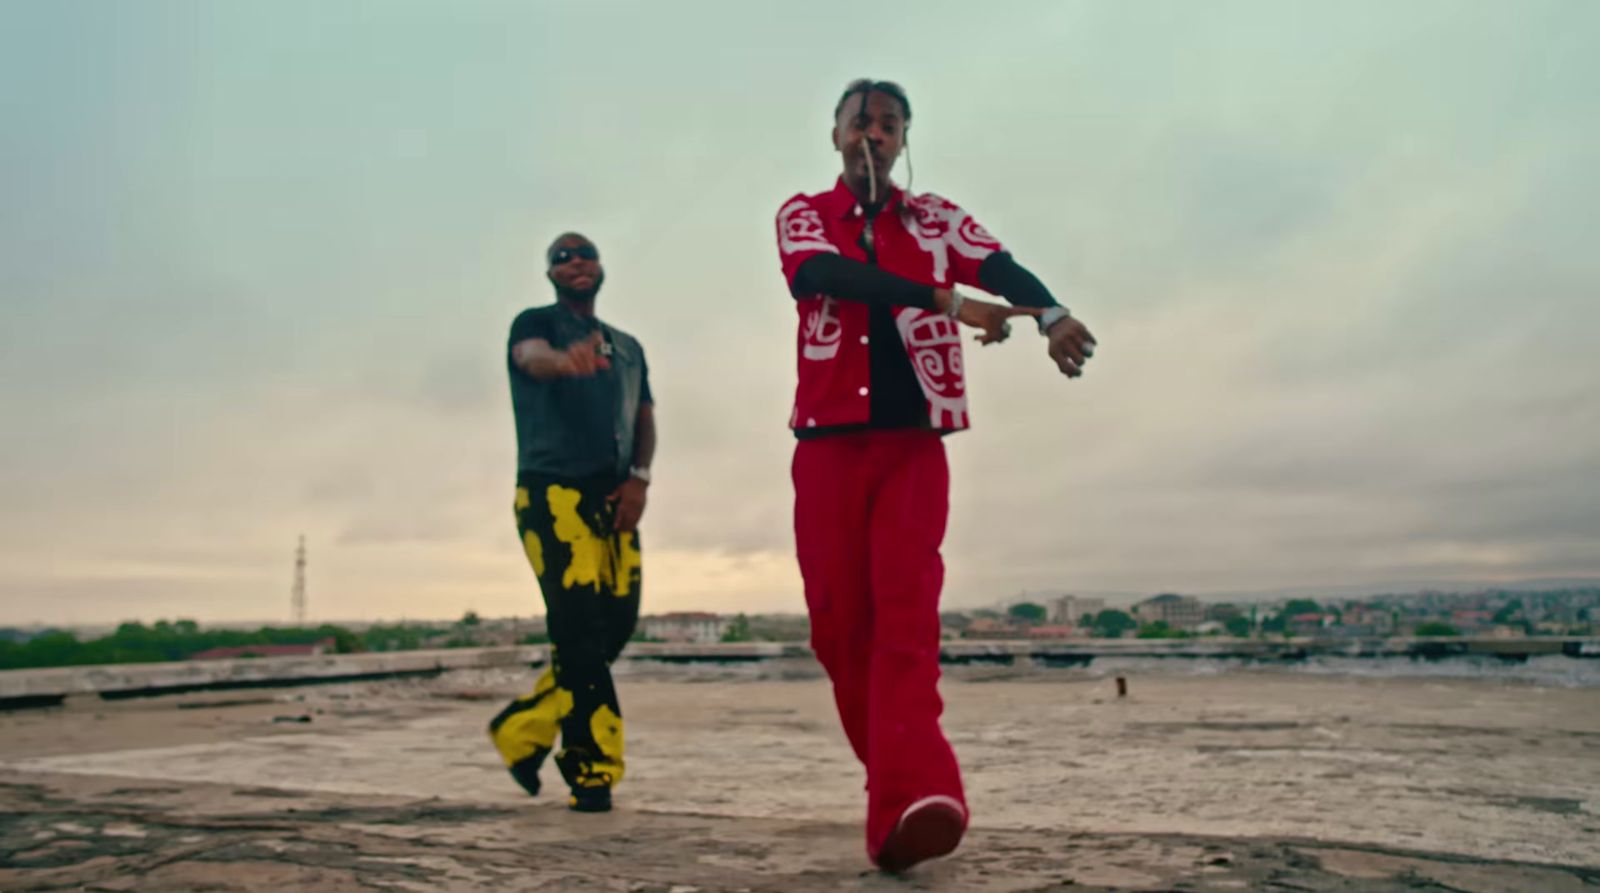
x=800 y=229
x=939 y=225
x=971 y=239
x=929 y=226
x=933 y=342
x=822 y=331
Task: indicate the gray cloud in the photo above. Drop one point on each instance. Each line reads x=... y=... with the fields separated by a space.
x=1336 y=261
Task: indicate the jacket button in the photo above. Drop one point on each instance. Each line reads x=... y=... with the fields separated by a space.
x=862 y=392
x=865 y=339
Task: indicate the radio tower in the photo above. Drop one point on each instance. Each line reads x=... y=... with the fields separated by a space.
x=299 y=596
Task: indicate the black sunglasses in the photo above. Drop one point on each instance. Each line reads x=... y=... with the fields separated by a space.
x=563 y=255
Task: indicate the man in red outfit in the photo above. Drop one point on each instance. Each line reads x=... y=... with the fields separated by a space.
x=872 y=269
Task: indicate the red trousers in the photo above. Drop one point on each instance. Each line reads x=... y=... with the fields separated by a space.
x=869 y=517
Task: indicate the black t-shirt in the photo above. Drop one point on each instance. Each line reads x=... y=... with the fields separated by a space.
x=896 y=397
x=577 y=426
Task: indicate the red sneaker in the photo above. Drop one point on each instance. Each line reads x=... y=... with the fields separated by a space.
x=929 y=828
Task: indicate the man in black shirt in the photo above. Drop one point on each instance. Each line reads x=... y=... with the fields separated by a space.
x=585 y=419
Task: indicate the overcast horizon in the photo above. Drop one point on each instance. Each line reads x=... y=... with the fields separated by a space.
x=259 y=260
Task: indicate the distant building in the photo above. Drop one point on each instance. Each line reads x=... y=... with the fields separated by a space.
x=1367 y=620
x=307 y=650
x=1222 y=612
x=1071 y=608
x=1310 y=624
x=992 y=628
x=687 y=627
x=779 y=627
x=1177 y=611
x=1058 y=631
x=1472 y=620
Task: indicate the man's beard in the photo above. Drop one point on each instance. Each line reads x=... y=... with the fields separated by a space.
x=584 y=295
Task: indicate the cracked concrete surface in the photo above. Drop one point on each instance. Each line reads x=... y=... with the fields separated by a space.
x=1230 y=782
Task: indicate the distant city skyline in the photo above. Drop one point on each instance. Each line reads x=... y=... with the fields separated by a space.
x=1118 y=600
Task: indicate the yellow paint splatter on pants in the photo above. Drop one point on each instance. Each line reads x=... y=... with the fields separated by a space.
x=606 y=727
x=535 y=550
x=627 y=561
x=590 y=562
x=526 y=732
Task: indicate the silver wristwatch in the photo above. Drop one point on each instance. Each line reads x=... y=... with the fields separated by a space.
x=956 y=300
x=641 y=472
x=1050 y=317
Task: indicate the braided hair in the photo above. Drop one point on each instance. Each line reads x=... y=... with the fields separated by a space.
x=867 y=86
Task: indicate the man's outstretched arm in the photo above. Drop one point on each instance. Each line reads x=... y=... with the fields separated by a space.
x=853 y=280
x=536 y=357
x=1070 y=342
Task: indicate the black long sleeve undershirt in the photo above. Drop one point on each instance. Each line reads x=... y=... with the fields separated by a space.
x=853 y=280
x=1001 y=275
x=856 y=280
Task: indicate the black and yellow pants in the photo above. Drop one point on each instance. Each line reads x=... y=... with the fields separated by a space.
x=590 y=576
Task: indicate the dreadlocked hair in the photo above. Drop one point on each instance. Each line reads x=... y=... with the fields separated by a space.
x=867 y=86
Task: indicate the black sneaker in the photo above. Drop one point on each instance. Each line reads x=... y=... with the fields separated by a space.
x=591 y=791
x=590 y=800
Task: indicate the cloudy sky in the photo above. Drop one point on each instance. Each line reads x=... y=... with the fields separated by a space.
x=258 y=259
